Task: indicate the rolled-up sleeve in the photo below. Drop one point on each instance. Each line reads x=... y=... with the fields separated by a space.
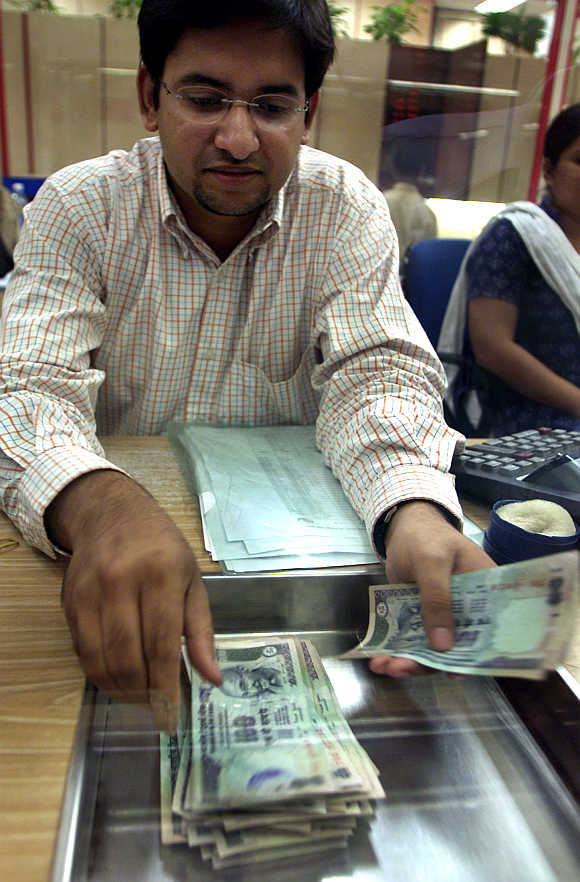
x=381 y=425
x=52 y=319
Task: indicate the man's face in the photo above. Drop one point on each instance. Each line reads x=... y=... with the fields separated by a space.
x=228 y=169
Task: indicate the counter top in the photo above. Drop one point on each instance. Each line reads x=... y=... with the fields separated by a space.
x=41 y=682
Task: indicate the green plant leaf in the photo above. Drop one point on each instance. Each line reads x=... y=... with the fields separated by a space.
x=392 y=21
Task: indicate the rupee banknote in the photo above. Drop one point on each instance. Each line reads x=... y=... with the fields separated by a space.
x=286 y=677
x=171 y=749
x=514 y=620
x=266 y=735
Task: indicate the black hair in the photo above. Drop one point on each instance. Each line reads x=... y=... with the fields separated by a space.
x=562 y=131
x=163 y=22
x=408 y=158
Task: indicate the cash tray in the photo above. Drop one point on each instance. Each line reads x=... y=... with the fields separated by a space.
x=482 y=776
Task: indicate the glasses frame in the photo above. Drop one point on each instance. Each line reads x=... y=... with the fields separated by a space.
x=228 y=103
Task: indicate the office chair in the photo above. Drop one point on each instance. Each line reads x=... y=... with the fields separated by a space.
x=428 y=274
x=30 y=183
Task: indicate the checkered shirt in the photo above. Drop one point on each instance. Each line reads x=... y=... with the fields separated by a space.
x=118 y=319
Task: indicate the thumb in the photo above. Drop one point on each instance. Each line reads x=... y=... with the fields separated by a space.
x=198 y=631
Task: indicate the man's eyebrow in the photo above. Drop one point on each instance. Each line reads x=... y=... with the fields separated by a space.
x=279 y=88
x=193 y=79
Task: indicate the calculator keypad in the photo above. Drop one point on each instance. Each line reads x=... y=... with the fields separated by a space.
x=519 y=454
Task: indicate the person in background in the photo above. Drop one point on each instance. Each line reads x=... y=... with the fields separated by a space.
x=519 y=292
x=412 y=218
x=9 y=213
x=220 y=271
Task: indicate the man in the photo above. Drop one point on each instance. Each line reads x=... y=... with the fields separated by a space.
x=220 y=272
x=412 y=218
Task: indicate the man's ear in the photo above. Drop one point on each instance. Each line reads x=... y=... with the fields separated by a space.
x=311 y=111
x=145 y=87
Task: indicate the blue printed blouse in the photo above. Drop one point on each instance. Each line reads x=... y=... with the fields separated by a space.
x=500 y=266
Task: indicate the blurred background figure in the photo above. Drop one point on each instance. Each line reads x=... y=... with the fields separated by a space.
x=9 y=214
x=518 y=290
x=412 y=217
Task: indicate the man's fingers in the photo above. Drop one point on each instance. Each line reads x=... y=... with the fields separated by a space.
x=435 y=589
x=402 y=667
x=89 y=648
x=84 y=623
x=472 y=558
x=198 y=630
x=396 y=667
x=441 y=637
x=161 y=627
x=122 y=649
x=125 y=591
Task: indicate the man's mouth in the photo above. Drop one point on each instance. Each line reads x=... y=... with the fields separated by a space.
x=234 y=171
x=232 y=178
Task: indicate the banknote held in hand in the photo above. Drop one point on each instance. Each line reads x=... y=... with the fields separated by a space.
x=515 y=620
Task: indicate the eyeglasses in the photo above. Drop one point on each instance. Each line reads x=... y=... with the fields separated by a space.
x=203 y=105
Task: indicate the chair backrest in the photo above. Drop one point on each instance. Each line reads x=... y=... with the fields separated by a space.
x=429 y=271
x=31 y=184
x=428 y=274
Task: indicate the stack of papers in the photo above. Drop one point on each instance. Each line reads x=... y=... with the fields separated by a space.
x=267 y=499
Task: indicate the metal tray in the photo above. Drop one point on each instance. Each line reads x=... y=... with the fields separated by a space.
x=471 y=795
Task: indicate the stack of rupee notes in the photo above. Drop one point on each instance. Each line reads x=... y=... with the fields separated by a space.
x=265 y=766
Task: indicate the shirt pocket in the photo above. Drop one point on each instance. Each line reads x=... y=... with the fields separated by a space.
x=241 y=393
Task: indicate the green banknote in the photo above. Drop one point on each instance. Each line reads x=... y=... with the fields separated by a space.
x=325 y=705
x=323 y=779
x=169 y=758
x=246 y=841
x=173 y=749
x=269 y=855
x=514 y=620
x=258 y=738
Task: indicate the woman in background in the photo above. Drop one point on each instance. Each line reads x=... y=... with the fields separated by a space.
x=8 y=230
x=520 y=284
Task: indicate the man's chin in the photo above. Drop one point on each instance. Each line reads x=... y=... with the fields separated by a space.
x=231 y=207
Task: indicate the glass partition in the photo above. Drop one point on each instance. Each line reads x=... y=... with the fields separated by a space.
x=462 y=100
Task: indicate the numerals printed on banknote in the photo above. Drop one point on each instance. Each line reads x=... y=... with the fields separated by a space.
x=514 y=620
x=273 y=731
x=266 y=763
x=266 y=766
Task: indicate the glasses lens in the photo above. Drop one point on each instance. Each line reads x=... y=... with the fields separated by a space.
x=204 y=105
x=274 y=109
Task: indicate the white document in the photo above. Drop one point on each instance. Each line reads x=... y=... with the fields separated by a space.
x=297 y=562
x=268 y=501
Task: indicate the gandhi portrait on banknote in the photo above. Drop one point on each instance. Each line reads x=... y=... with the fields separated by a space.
x=241 y=681
x=409 y=621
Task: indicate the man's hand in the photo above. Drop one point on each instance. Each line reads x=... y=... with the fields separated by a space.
x=423 y=547
x=132 y=588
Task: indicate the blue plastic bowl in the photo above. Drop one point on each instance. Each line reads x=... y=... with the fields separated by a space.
x=507 y=543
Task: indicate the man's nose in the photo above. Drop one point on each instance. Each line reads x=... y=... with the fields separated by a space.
x=236 y=132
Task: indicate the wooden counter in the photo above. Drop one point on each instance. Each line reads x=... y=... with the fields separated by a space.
x=41 y=682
